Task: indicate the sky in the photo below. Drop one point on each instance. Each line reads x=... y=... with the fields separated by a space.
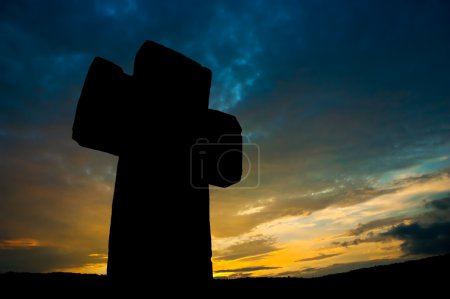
x=345 y=106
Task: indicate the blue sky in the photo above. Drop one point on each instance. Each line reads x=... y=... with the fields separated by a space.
x=348 y=102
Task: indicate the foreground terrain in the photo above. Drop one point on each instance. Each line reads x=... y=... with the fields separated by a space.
x=427 y=276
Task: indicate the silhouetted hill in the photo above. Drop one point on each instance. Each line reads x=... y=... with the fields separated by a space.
x=427 y=276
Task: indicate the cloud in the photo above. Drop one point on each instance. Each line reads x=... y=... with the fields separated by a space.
x=374 y=206
x=255 y=258
x=246 y=269
x=370 y=238
x=435 y=210
x=285 y=202
x=41 y=258
x=19 y=243
x=249 y=248
x=319 y=257
x=419 y=239
x=99 y=255
x=425 y=233
x=376 y=224
x=442 y=204
x=342 y=121
x=54 y=207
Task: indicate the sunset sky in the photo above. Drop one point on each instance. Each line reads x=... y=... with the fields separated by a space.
x=348 y=103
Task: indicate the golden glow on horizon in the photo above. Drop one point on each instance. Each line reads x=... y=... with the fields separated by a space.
x=320 y=234
x=305 y=245
x=90 y=268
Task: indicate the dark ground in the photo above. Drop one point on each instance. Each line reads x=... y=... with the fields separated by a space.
x=429 y=277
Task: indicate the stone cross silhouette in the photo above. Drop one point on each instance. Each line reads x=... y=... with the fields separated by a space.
x=170 y=148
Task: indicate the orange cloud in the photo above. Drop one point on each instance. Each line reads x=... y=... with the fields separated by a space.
x=19 y=243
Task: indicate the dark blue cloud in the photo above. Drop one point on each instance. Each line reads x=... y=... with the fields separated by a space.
x=430 y=234
x=358 y=88
x=442 y=204
x=419 y=239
